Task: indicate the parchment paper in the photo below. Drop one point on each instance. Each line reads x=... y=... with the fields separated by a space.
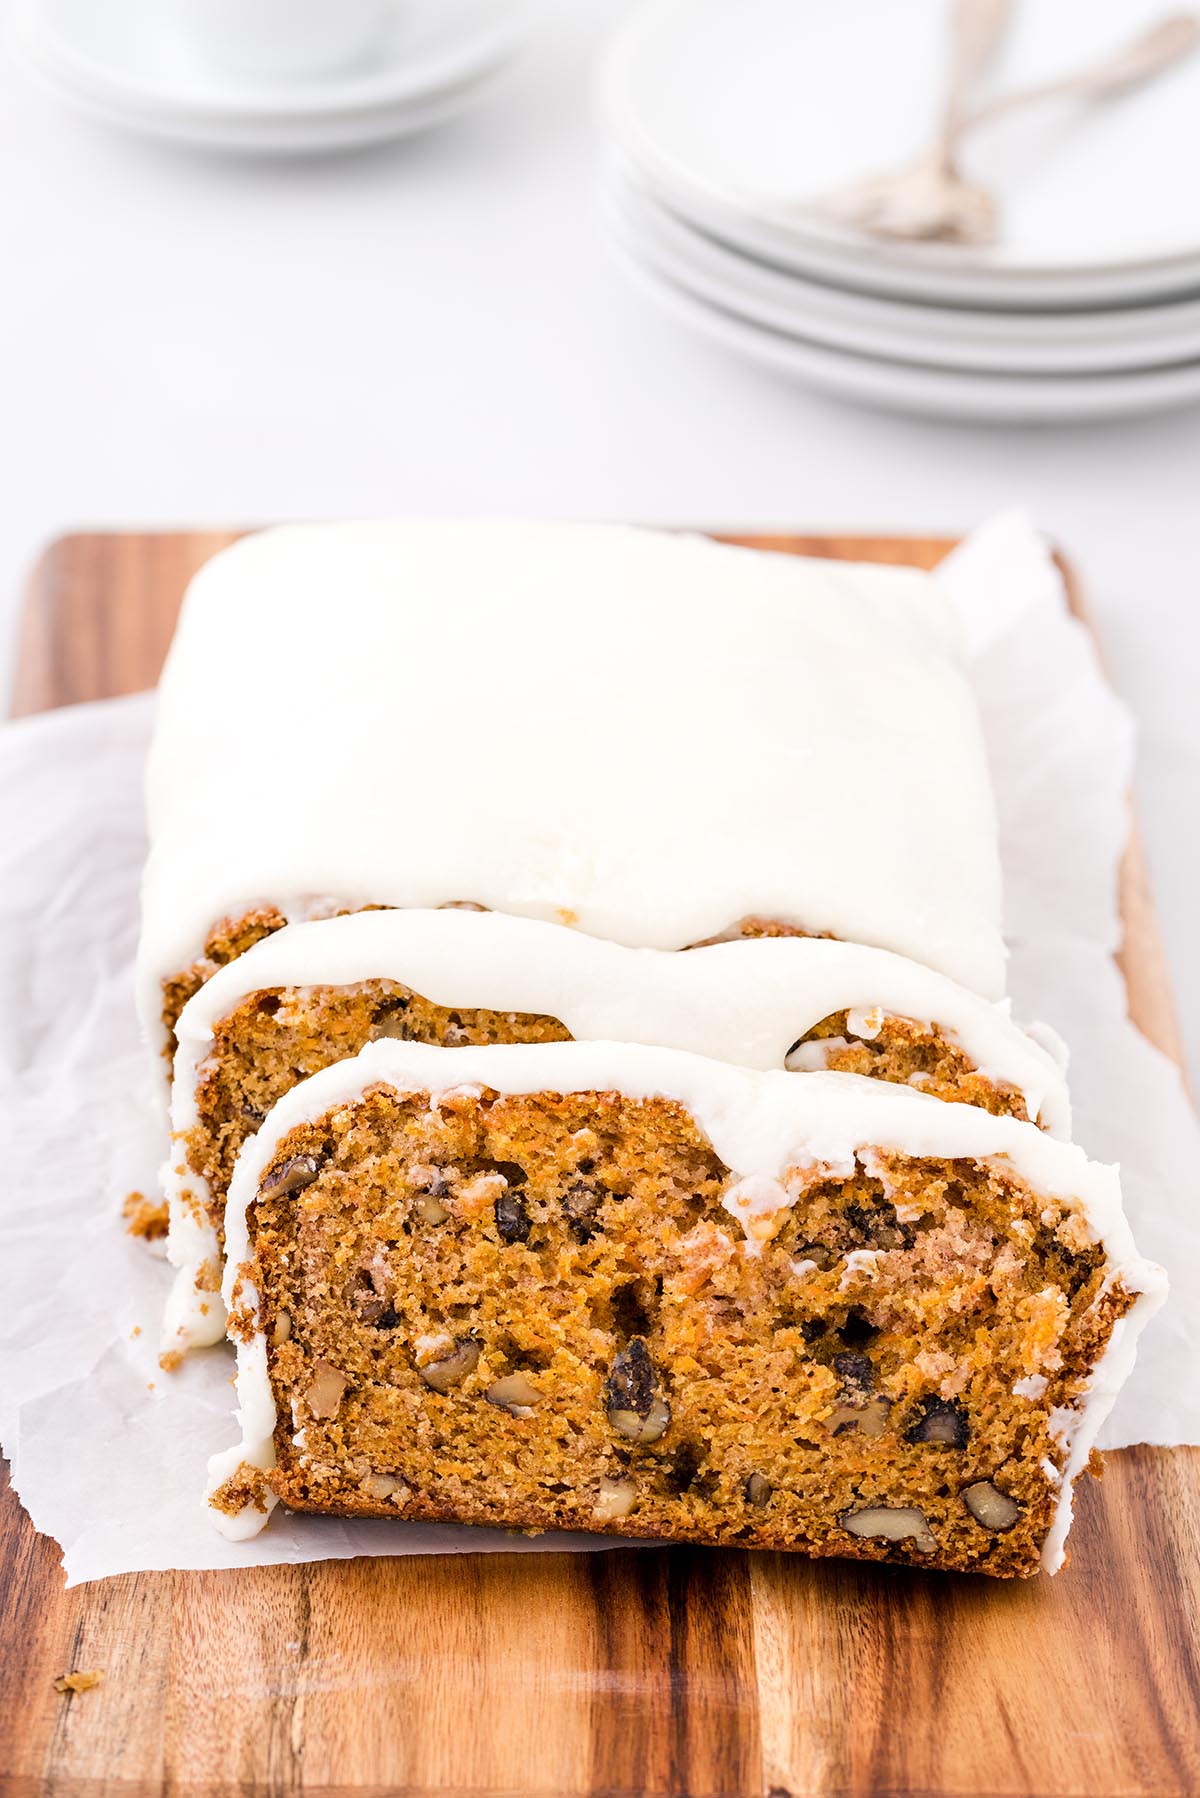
x=108 y=1453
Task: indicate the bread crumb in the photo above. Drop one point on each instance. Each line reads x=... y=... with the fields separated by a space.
x=145 y=1218
x=135 y=1332
x=245 y=1488
x=80 y=1680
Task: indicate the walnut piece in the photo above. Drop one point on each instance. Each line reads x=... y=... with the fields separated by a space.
x=634 y=1407
x=326 y=1389
x=514 y=1394
x=386 y=1485
x=392 y=1023
x=451 y=1368
x=757 y=1490
x=292 y=1177
x=281 y=1329
x=642 y=1429
x=856 y=1377
x=371 y=1291
x=512 y=1219
x=870 y=1420
x=615 y=1499
x=991 y=1508
x=580 y=1203
x=895 y=1523
x=942 y=1421
x=815 y=1252
x=861 y=1408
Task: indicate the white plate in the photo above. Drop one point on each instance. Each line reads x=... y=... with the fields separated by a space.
x=949 y=337
x=124 y=54
x=282 y=137
x=736 y=109
x=914 y=388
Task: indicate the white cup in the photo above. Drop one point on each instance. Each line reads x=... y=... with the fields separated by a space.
x=284 y=39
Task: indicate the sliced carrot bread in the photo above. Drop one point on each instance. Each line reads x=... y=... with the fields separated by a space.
x=311 y=994
x=604 y=1286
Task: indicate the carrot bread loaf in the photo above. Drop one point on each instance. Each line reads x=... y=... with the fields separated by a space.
x=596 y=1285
x=311 y=994
x=652 y=737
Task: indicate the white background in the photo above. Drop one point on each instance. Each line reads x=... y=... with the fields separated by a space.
x=436 y=328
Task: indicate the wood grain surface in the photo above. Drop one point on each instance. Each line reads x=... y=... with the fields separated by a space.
x=681 y=1671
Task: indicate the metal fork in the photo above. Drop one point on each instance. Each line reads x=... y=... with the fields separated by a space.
x=931 y=200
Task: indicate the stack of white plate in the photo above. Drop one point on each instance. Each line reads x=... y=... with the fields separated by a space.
x=128 y=63
x=727 y=119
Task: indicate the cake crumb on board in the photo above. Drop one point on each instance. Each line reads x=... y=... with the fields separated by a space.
x=145 y=1218
x=79 y=1680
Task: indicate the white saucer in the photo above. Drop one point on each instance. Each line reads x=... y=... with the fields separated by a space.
x=281 y=137
x=117 y=63
x=950 y=337
x=736 y=111
x=913 y=387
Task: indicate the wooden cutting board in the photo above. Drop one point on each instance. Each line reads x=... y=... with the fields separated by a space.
x=676 y=1671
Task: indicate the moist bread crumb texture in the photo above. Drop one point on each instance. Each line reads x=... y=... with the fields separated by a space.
x=907 y=1052
x=533 y=1311
x=279 y=1036
x=230 y=937
x=227 y=939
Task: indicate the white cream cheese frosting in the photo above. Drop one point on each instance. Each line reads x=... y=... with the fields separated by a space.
x=649 y=736
x=744 y=1001
x=760 y=1124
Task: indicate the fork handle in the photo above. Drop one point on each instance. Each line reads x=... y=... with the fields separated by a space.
x=1152 y=51
x=976 y=29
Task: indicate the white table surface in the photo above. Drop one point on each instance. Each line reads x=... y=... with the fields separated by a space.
x=435 y=328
